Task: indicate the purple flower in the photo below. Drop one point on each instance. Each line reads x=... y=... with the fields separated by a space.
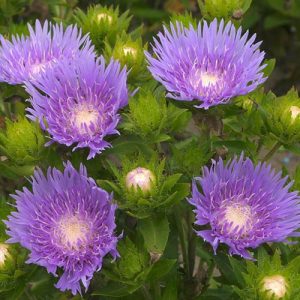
x=25 y=58
x=244 y=206
x=79 y=102
x=66 y=222
x=211 y=64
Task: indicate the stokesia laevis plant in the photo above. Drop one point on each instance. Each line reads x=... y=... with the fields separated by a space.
x=25 y=58
x=211 y=63
x=67 y=223
x=244 y=205
x=82 y=106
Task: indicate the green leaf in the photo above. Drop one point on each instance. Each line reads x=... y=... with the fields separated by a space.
x=270 y=65
x=170 y=292
x=170 y=182
x=161 y=268
x=223 y=293
x=114 y=289
x=155 y=231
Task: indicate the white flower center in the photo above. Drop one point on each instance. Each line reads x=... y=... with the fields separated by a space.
x=206 y=79
x=129 y=51
x=104 y=17
x=295 y=111
x=83 y=117
x=140 y=177
x=71 y=230
x=238 y=217
x=3 y=253
x=276 y=285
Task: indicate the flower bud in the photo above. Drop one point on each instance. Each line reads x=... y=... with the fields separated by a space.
x=295 y=111
x=3 y=254
x=22 y=141
x=275 y=286
x=226 y=9
x=104 y=17
x=140 y=178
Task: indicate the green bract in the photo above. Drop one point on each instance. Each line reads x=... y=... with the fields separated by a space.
x=269 y=278
x=164 y=190
x=226 y=9
x=22 y=141
x=282 y=117
x=129 y=51
x=102 y=22
x=162 y=119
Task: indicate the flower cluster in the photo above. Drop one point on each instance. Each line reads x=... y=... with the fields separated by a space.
x=66 y=222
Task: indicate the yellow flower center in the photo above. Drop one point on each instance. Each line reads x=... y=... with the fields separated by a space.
x=71 y=231
x=85 y=116
x=275 y=285
x=238 y=217
x=206 y=79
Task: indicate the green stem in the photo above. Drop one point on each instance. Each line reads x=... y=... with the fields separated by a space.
x=208 y=276
x=272 y=151
x=182 y=240
x=259 y=145
x=191 y=245
x=157 y=291
x=146 y=293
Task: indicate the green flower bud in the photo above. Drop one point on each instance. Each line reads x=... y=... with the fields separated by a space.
x=142 y=187
x=22 y=141
x=102 y=22
x=223 y=9
x=186 y=19
x=269 y=278
x=146 y=125
x=282 y=117
x=129 y=52
x=133 y=261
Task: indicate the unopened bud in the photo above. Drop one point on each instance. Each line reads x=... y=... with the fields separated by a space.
x=140 y=177
x=3 y=254
x=104 y=17
x=129 y=51
x=295 y=111
x=275 y=286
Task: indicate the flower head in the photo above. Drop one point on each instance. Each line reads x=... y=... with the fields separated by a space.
x=244 y=205
x=25 y=58
x=211 y=64
x=81 y=107
x=66 y=222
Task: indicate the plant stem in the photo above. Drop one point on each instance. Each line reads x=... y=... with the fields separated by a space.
x=191 y=245
x=157 y=292
x=272 y=151
x=179 y=224
x=259 y=145
x=146 y=293
x=208 y=276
